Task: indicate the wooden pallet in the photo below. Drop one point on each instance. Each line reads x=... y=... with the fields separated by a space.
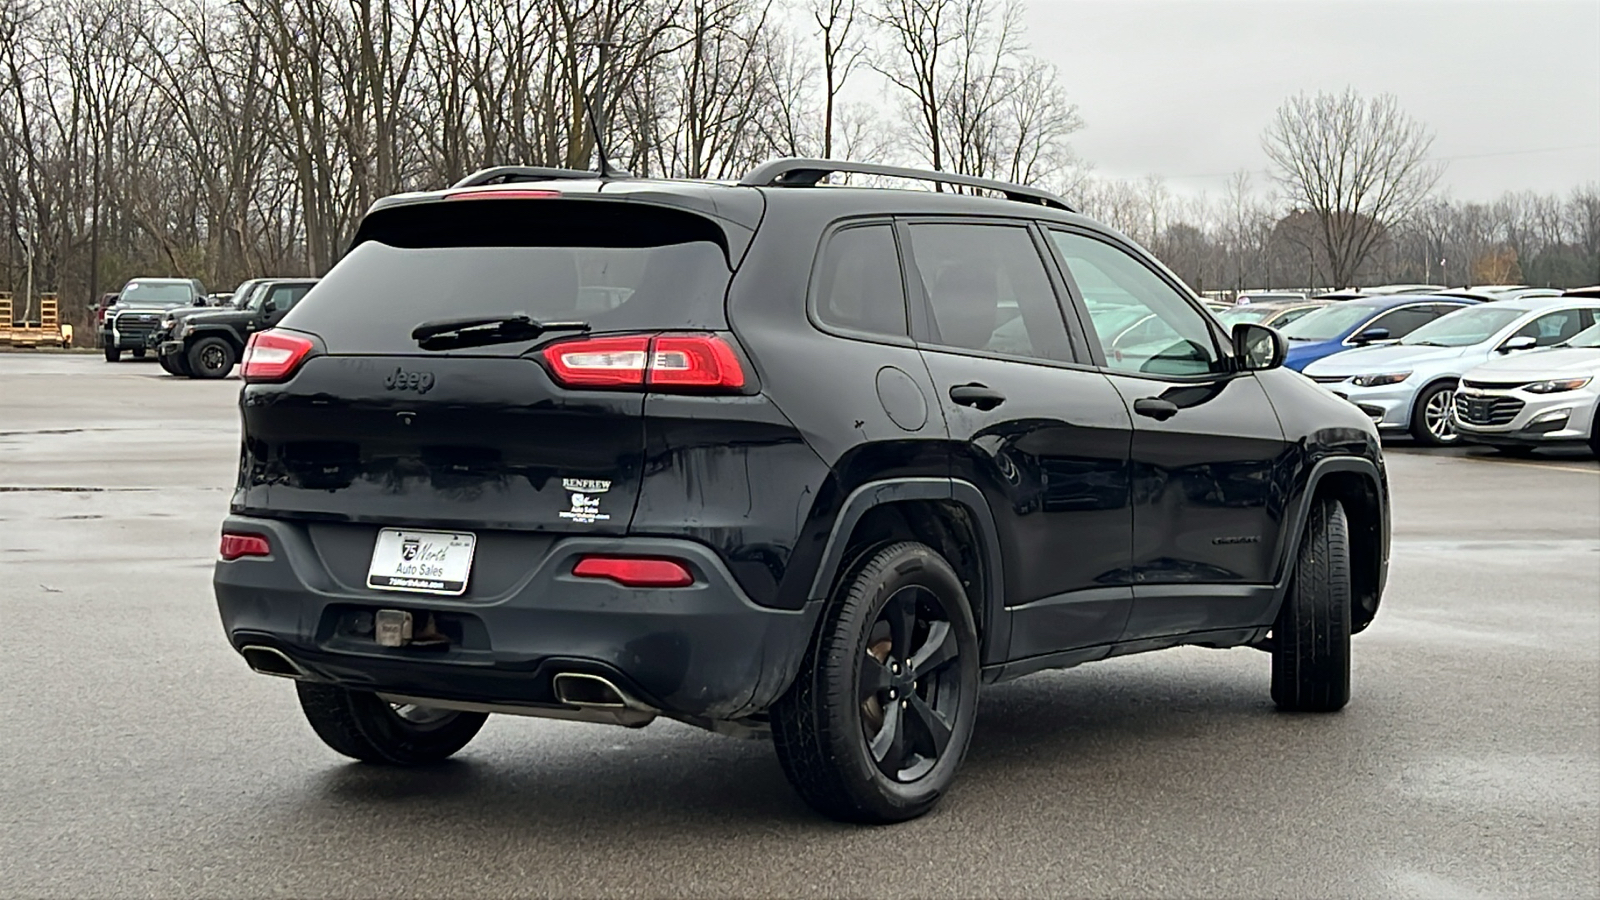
x=49 y=332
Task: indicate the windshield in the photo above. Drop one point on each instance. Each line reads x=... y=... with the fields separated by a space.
x=1463 y=328
x=1237 y=314
x=168 y=293
x=1589 y=338
x=1327 y=323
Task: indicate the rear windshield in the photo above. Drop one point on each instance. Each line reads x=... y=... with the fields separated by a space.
x=616 y=266
x=157 y=293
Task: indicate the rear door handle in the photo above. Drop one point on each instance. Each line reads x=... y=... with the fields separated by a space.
x=1156 y=408
x=978 y=395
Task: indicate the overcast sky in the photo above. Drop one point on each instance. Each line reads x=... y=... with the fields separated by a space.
x=1183 y=88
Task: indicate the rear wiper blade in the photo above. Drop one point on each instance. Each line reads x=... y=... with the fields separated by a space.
x=478 y=331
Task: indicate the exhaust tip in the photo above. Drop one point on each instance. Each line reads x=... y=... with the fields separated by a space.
x=268 y=661
x=592 y=691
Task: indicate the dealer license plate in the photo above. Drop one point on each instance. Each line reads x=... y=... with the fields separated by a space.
x=424 y=562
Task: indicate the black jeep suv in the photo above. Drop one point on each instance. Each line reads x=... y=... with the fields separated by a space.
x=772 y=457
x=206 y=343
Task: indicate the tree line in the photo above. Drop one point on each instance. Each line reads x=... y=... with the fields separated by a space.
x=224 y=139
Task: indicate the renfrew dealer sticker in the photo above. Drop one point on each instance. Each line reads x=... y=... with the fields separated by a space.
x=426 y=562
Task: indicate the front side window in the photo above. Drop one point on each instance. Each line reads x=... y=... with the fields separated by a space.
x=285 y=296
x=1144 y=325
x=1463 y=328
x=859 y=288
x=988 y=290
x=1554 y=328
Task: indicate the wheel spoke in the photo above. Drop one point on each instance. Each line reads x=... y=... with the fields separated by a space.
x=875 y=677
x=937 y=651
x=901 y=613
x=888 y=745
x=935 y=724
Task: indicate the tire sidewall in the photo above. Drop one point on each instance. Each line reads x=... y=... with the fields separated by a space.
x=196 y=353
x=847 y=646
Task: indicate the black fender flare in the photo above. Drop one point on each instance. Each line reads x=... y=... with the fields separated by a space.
x=997 y=622
x=202 y=332
x=1296 y=521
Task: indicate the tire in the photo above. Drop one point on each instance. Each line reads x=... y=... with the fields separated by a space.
x=1594 y=432
x=1434 y=400
x=210 y=357
x=831 y=729
x=112 y=353
x=1311 y=639
x=363 y=726
x=138 y=352
x=172 y=365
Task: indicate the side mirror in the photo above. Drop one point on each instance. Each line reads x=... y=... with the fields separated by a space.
x=1523 y=342
x=269 y=306
x=1371 y=335
x=1257 y=347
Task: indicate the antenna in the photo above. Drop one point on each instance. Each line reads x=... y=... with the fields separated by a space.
x=606 y=169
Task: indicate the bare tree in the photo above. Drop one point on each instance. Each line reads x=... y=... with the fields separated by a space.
x=842 y=51
x=1358 y=165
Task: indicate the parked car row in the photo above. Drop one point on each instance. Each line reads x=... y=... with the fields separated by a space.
x=1444 y=368
x=192 y=333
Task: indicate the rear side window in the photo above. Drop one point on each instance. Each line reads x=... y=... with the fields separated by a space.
x=616 y=266
x=1401 y=322
x=859 y=288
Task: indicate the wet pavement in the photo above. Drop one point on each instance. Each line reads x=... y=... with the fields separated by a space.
x=140 y=757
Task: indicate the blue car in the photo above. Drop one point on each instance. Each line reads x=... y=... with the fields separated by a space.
x=1362 y=322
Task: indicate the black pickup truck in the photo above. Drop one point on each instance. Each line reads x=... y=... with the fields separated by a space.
x=208 y=343
x=131 y=323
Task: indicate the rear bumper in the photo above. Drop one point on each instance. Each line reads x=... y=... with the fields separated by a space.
x=704 y=651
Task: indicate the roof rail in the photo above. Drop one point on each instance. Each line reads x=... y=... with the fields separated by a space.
x=800 y=172
x=508 y=174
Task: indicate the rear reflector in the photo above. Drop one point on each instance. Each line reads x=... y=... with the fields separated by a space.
x=237 y=545
x=667 y=362
x=507 y=194
x=273 y=355
x=635 y=572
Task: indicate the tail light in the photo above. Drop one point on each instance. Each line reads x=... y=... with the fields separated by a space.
x=668 y=362
x=235 y=545
x=635 y=571
x=273 y=355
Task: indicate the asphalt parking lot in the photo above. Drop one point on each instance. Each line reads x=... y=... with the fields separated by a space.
x=141 y=757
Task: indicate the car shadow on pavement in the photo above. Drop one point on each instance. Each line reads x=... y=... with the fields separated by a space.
x=669 y=777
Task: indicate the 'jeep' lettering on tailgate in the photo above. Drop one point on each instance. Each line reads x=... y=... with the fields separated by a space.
x=401 y=380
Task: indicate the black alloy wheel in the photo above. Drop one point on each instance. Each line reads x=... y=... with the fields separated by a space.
x=210 y=357
x=909 y=686
x=879 y=717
